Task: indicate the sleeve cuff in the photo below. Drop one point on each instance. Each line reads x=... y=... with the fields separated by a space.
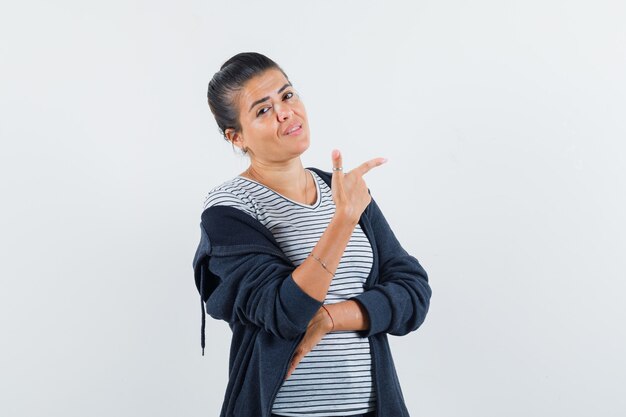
x=378 y=310
x=299 y=306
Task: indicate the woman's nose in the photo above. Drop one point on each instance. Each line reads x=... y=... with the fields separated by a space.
x=284 y=112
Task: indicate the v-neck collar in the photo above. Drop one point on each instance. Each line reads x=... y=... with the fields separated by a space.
x=318 y=190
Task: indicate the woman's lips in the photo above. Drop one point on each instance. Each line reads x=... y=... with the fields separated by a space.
x=297 y=131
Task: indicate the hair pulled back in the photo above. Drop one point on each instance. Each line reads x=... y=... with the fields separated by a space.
x=229 y=81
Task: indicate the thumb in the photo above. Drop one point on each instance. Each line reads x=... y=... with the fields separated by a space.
x=337 y=160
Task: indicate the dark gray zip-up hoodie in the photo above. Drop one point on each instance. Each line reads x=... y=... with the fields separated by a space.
x=245 y=279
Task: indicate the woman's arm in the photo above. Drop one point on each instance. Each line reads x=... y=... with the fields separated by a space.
x=345 y=315
x=398 y=303
x=348 y=315
x=314 y=276
x=351 y=197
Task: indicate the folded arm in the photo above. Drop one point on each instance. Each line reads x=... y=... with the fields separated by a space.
x=399 y=302
x=251 y=280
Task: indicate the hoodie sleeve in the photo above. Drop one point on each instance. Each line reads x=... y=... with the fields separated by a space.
x=246 y=278
x=399 y=302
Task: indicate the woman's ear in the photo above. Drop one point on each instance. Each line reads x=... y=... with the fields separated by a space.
x=234 y=138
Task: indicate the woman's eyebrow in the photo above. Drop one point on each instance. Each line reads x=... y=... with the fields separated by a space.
x=267 y=98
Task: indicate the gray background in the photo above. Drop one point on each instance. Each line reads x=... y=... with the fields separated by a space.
x=503 y=122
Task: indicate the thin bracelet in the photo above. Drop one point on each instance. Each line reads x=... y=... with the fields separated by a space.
x=321 y=263
x=331 y=317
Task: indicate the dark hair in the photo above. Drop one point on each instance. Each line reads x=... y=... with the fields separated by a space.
x=228 y=82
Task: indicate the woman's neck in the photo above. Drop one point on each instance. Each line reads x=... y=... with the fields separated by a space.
x=289 y=179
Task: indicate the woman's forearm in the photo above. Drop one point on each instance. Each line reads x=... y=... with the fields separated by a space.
x=310 y=275
x=351 y=196
x=348 y=315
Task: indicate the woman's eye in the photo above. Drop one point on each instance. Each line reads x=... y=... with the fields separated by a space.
x=262 y=111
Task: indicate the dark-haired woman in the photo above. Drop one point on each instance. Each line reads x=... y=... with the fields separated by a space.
x=301 y=263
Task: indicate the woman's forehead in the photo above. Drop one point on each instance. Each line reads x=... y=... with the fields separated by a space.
x=262 y=86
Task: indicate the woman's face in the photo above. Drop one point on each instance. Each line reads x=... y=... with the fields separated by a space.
x=274 y=125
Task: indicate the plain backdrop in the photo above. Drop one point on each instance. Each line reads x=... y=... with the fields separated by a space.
x=503 y=123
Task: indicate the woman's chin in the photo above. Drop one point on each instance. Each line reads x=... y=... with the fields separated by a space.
x=301 y=145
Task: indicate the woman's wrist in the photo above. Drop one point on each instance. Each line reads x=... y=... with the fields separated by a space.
x=331 y=318
x=344 y=215
x=348 y=315
x=323 y=319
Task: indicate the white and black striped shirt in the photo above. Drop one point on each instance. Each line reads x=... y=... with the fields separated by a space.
x=335 y=378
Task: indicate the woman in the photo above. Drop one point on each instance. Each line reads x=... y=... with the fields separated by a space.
x=301 y=263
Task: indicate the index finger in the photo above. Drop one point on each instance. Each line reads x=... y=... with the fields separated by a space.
x=365 y=167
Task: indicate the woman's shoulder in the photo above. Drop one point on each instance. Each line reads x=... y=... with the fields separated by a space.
x=230 y=193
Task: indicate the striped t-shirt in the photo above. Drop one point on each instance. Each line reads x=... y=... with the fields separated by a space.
x=335 y=378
